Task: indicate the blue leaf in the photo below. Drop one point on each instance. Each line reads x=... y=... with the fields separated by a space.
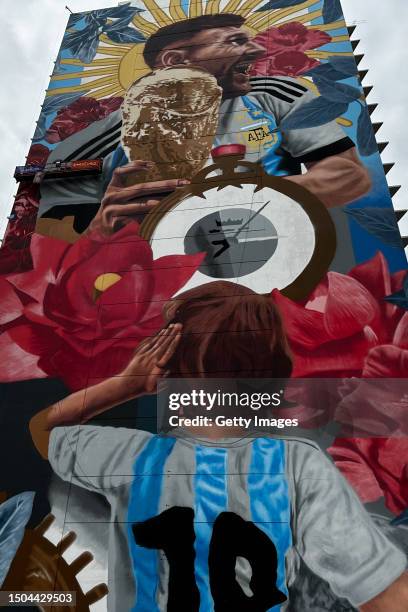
x=74 y=19
x=378 y=221
x=53 y=103
x=125 y=35
x=346 y=65
x=85 y=48
x=73 y=40
x=400 y=298
x=119 y=24
x=336 y=92
x=82 y=42
x=93 y=18
x=326 y=71
x=118 y=12
x=41 y=129
x=317 y=112
x=367 y=144
x=402 y=519
x=275 y=4
x=332 y=11
x=14 y=515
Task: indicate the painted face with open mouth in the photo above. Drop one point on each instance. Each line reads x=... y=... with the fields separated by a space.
x=240 y=75
x=235 y=79
x=228 y=54
x=234 y=75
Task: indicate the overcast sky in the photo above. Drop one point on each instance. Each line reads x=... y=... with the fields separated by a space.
x=31 y=32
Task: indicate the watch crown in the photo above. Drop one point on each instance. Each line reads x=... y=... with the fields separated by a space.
x=231 y=149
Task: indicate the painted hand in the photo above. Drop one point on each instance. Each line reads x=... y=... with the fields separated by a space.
x=122 y=204
x=150 y=360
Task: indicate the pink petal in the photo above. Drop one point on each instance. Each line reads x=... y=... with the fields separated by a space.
x=349 y=457
x=397 y=280
x=35 y=339
x=11 y=307
x=17 y=364
x=46 y=254
x=349 y=307
x=338 y=358
x=304 y=327
x=386 y=361
x=374 y=275
x=171 y=273
x=401 y=332
x=315 y=38
x=384 y=458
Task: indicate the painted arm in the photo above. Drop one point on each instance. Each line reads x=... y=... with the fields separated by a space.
x=122 y=204
x=139 y=378
x=394 y=598
x=336 y=180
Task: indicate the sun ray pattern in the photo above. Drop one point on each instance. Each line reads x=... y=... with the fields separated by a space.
x=117 y=64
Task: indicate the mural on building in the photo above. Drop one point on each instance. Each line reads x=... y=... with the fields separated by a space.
x=203 y=198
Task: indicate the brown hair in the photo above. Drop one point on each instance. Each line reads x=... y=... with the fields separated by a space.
x=184 y=30
x=229 y=331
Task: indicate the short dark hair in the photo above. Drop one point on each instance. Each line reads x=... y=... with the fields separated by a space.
x=229 y=331
x=182 y=30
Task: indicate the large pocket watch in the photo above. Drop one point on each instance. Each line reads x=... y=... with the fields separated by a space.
x=261 y=231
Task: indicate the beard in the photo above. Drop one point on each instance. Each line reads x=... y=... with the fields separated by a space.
x=235 y=81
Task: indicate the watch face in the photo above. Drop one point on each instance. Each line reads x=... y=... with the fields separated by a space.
x=260 y=238
x=238 y=241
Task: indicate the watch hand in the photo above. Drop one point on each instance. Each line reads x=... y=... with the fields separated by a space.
x=260 y=239
x=250 y=219
x=225 y=247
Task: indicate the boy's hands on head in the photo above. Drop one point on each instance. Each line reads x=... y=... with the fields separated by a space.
x=138 y=378
x=150 y=360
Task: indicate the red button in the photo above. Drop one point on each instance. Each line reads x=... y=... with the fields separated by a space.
x=231 y=149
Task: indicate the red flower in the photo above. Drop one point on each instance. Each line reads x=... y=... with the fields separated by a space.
x=344 y=329
x=346 y=326
x=286 y=63
x=78 y=333
x=375 y=467
x=37 y=155
x=79 y=115
x=15 y=253
x=14 y=259
x=378 y=467
x=292 y=36
x=20 y=227
x=285 y=50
